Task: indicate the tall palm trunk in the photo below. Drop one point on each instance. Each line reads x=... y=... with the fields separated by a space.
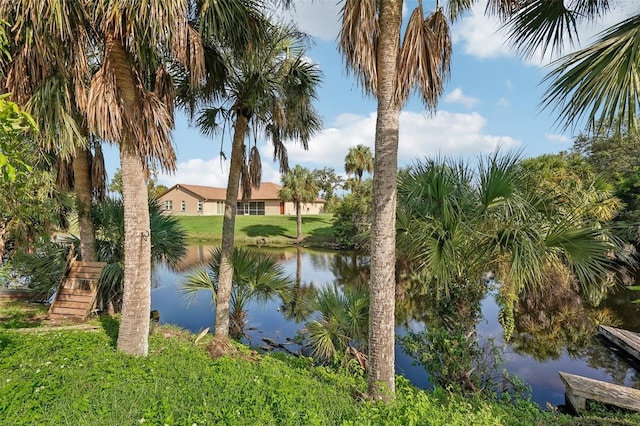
x=83 y=189
x=298 y=221
x=133 y=336
x=223 y=295
x=382 y=284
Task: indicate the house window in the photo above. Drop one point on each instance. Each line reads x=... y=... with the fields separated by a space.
x=253 y=208
x=183 y=206
x=168 y=205
x=199 y=205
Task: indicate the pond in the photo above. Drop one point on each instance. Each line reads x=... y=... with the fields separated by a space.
x=549 y=338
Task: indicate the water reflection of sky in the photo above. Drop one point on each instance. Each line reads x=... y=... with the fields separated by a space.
x=318 y=268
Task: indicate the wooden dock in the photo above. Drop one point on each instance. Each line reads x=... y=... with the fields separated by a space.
x=77 y=291
x=580 y=389
x=626 y=340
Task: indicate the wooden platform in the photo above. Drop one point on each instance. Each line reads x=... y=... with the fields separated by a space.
x=76 y=295
x=626 y=340
x=580 y=389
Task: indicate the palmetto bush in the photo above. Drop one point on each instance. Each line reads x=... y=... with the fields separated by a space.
x=256 y=276
x=340 y=323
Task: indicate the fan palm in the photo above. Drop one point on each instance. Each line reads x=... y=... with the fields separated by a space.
x=370 y=43
x=341 y=323
x=255 y=277
x=358 y=160
x=299 y=185
x=268 y=91
x=451 y=229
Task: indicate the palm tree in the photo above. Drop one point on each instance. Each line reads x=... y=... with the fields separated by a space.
x=370 y=42
x=255 y=277
x=358 y=160
x=48 y=71
x=130 y=102
x=268 y=90
x=300 y=186
x=600 y=82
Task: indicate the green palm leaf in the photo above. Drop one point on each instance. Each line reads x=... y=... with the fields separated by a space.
x=600 y=82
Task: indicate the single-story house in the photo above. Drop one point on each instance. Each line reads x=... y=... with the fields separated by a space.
x=197 y=200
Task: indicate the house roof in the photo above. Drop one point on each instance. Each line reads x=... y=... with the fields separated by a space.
x=266 y=191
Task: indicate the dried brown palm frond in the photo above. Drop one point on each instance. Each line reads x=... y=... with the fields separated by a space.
x=164 y=87
x=358 y=41
x=255 y=166
x=187 y=49
x=98 y=172
x=64 y=175
x=246 y=183
x=104 y=112
x=153 y=131
x=425 y=57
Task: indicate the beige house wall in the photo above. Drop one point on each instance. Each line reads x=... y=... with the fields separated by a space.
x=176 y=197
x=307 y=208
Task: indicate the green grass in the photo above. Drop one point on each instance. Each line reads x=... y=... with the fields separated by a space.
x=317 y=230
x=71 y=377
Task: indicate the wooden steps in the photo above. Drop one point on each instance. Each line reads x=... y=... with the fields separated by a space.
x=580 y=389
x=626 y=340
x=76 y=295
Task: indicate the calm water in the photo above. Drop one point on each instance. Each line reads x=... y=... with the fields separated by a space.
x=536 y=358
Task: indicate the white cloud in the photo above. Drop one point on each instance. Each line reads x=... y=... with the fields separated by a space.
x=503 y=102
x=457 y=97
x=508 y=85
x=445 y=133
x=319 y=19
x=421 y=135
x=553 y=137
x=213 y=172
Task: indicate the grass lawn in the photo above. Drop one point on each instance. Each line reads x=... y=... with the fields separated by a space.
x=317 y=230
x=77 y=377
x=54 y=376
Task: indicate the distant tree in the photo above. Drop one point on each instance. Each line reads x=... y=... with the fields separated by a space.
x=328 y=183
x=615 y=154
x=153 y=189
x=299 y=186
x=358 y=160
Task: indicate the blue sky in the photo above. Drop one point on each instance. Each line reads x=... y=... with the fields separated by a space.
x=492 y=99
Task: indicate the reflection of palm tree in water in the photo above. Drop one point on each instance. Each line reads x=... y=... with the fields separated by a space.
x=299 y=308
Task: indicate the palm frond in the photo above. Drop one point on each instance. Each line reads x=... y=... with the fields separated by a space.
x=358 y=41
x=542 y=25
x=199 y=279
x=600 y=82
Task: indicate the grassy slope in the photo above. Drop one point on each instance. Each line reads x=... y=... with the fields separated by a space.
x=316 y=229
x=77 y=377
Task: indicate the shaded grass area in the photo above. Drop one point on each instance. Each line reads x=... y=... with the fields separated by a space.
x=18 y=314
x=78 y=377
x=317 y=230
